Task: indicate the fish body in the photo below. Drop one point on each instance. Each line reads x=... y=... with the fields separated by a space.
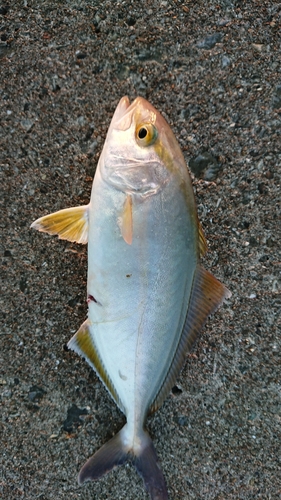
x=148 y=295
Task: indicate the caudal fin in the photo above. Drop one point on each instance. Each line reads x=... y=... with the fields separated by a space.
x=147 y=466
x=116 y=452
x=106 y=458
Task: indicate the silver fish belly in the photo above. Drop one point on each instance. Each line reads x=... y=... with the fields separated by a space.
x=141 y=288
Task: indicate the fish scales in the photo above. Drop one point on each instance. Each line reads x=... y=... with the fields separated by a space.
x=148 y=296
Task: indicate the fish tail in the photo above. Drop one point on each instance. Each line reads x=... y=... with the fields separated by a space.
x=116 y=452
x=148 y=468
x=106 y=458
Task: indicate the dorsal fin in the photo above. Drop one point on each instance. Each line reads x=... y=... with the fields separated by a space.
x=83 y=343
x=206 y=296
x=69 y=224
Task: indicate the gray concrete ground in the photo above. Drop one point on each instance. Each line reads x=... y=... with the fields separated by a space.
x=213 y=69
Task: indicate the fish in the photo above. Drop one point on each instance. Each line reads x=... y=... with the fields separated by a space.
x=148 y=294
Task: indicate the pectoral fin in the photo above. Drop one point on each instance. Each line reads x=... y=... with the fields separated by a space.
x=206 y=296
x=69 y=224
x=126 y=220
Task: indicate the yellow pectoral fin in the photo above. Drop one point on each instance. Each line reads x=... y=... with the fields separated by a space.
x=69 y=224
x=126 y=220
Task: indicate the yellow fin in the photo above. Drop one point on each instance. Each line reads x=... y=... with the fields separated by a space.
x=126 y=220
x=206 y=296
x=69 y=224
x=203 y=247
x=83 y=343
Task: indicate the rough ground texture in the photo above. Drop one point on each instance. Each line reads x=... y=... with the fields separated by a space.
x=213 y=69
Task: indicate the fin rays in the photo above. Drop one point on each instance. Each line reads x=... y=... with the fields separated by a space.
x=83 y=344
x=207 y=295
x=203 y=247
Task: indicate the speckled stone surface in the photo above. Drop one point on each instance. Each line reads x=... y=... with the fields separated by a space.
x=213 y=70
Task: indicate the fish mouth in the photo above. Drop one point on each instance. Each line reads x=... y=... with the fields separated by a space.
x=120 y=111
x=138 y=111
x=123 y=115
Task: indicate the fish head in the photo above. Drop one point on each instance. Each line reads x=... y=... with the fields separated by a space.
x=141 y=154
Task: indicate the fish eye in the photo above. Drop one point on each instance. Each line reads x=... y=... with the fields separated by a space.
x=146 y=134
x=142 y=133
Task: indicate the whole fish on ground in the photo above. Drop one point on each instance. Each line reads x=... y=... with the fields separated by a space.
x=148 y=295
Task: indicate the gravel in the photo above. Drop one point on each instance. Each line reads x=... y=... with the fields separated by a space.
x=213 y=70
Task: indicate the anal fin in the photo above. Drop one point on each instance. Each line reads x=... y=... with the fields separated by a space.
x=69 y=224
x=83 y=344
x=206 y=296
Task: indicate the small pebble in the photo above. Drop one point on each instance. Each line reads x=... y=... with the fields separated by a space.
x=225 y=61
x=73 y=419
x=205 y=166
x=210 y=41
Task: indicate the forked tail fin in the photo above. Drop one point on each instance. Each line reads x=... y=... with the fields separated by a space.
x=106 y=458
x=147 y=466
x=116 y=452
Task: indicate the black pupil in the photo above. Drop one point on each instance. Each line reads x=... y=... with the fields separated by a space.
x=142 y=133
